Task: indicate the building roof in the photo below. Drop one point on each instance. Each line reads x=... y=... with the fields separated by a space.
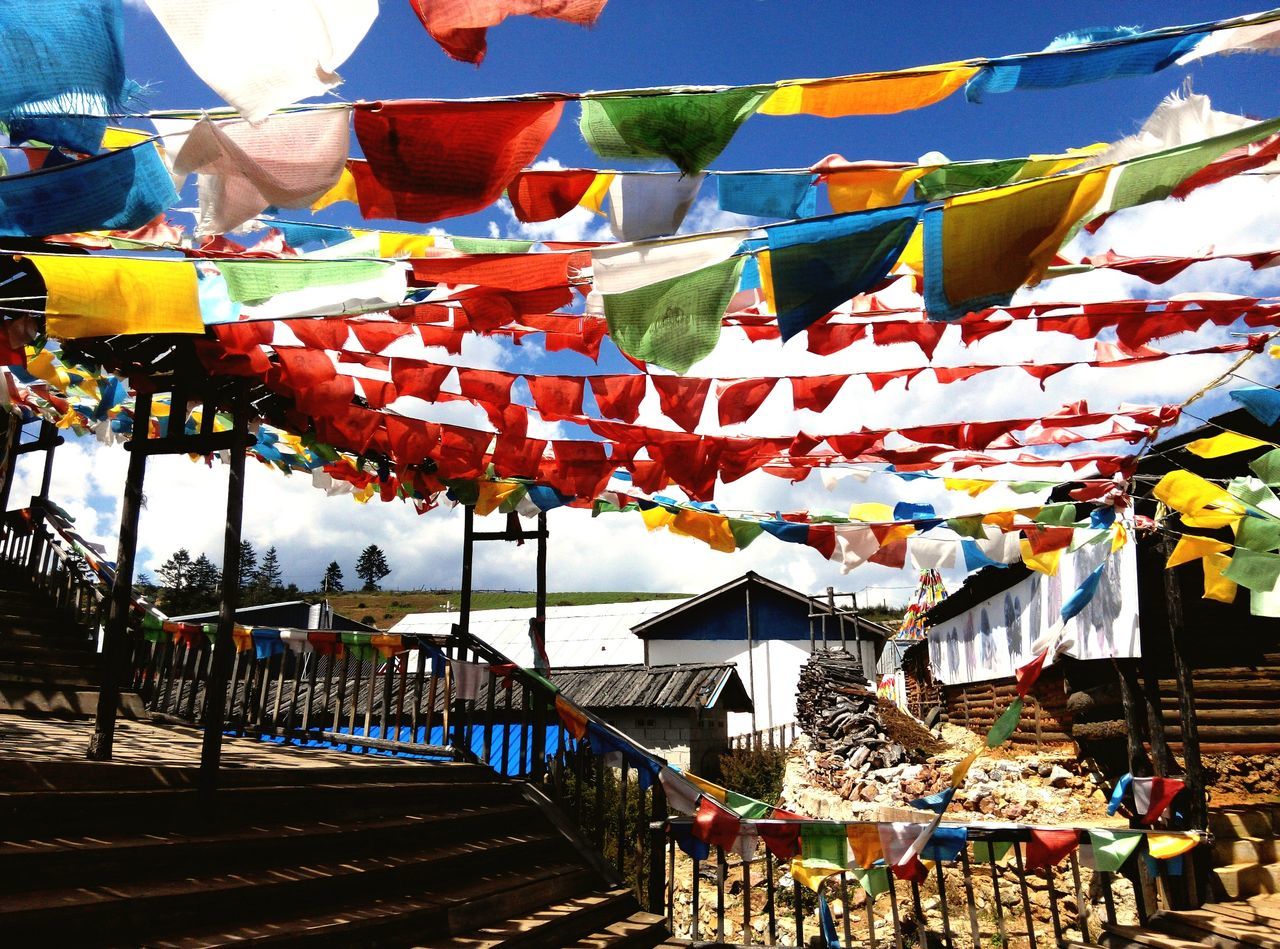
x=298 y=614
x=594 y=635
x=648 y=628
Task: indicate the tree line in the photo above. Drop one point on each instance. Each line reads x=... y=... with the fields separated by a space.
x=184 y=584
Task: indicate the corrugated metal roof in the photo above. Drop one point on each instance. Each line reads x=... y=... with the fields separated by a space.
x=596 y=635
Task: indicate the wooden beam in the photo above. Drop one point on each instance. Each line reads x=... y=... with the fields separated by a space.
x=189 y=444
x=49 y=435
x=116 y=629
x=215 y=699
x=12 y=435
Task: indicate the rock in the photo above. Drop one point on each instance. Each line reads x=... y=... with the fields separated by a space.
x=1058 y=776
x=1045 y=768
x=912 y=772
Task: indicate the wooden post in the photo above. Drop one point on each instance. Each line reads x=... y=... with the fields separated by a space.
x=751 y=665
x=12 y=435
x=214 y=716
x=1197 y=809
x=49 y=438
x=116 y=629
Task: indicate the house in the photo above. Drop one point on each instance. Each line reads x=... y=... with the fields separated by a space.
x=768 y=631
x=288 y=614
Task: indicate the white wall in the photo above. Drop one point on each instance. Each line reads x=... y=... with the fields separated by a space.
x=775 y=665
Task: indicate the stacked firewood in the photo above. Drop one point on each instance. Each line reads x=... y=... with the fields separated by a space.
x=836 y=707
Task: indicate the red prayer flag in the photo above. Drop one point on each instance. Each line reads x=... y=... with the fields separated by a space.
x=737 y=401
x=546 y=195
x=375 y=337
x=926 y=335
x=462 y=451
x=619 y=396
x=514 y=272
x=911 y=871
x=715 y=824
x=557 y=397
x=1048 y=848
x=782 y=840
x=1044 y=539
x=460 y=26
x=682 y=399
x=320 y=334
x=433 y=160
x=421 y=380
x=412 y=441
x=517 y=456
x=486 y=385
x=815 y=392
x=1029 y=674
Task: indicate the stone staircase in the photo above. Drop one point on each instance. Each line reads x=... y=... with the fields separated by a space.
x=1246 y=851
x=1248 y=924
x=425 y=854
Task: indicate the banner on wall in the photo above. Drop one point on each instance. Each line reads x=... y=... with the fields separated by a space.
x=995 y=637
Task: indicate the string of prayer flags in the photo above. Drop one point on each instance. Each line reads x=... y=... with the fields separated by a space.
x=824 y=845
x=816 y=265
x=287 y=161
x=1109 y=850
x=869 y=93
x=461 y=26
x=1048 y=848
x=64 y=57
x=1153 y=796
x=980 y=248
x=259 y=55
x=433 y=160
x=715 y=824
x=111 y=296
x=543 y=195
x=645 y=206
x=1169 y=846
x=768 y=194
x=691 y=129
x=782 y=840
x=119 y=190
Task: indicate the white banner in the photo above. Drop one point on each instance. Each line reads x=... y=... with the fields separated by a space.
x=992 y=639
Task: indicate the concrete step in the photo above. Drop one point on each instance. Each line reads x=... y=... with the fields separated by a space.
x=48 y=674
x=1243 y=822
x=639 y=930
x=549 y=927
x=62 y=651
x=1228 y=850
x=41 y=699
x=1239 y=881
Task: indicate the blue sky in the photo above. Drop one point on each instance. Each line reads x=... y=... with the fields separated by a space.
x=651 y=42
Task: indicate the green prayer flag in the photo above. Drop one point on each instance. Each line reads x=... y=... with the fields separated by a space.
x=1029 y=487
x=1005 y=724
x=210 y=631
x=990 y=851
x=1253 y=492
x=675 y=322
x=1154 y=177
x=512 y=501
x=463 y=491
x=967 y=526
x=747 y=807
x=691 y=129
x=824 y=844
x=1254 y=570
x=873 y=881
x=952 y=179
x=358 y=645
x=1111 y=848
x=744 y=531
x=1258 y=533
x=253 y=281
x=1058 y=515
x=1267 y=467
x=490 y=245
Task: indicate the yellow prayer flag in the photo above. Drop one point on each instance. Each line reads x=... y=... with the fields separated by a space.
x=111 y=296
x=656 y=517
x=1226 y=443
x=1216 y=586
x=765 y=265
x=864 y=841
x=1201 y=503
x=1193 y=547
x=882 y=93
x=712 y=529
x=1166 y=846
x=1001 y=519
x=863 y=189
x=1046 y=563
x=1000 y=239
x=344 y=190
x=43 y=366
x=491 y=494
x=871 y=512
x=970 y=486
x=811 y=877
x=913 y=254
x=961 y=770
x=114 y=139
x=709 y=788
x=393 y=245
x=1119 y=536
x=593 y=199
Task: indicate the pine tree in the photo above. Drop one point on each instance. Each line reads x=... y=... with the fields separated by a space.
x=175 y=573
x=268 y=581
x=203 y=582
x=372 y=567
x=248 y=566
x=332 y=582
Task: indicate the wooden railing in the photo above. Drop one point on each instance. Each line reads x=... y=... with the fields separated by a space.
x=956 y=905
x=37 y=551
x=779 y=736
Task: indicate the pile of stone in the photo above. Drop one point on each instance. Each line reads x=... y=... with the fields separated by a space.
x=836 y=708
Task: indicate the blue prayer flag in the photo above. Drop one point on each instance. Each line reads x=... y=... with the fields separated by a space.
x=770 y=194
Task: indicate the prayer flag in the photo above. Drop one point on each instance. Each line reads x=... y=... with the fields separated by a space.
x=645 y=206
x=1226 y=443
x=990 y=851
x=461 y=26
x=260 y=55
x=782 y=840
x=1083 y=594
x=824 y=844
x=690 y=129
x=682 y=794
x=676 y=322
x=1193 y=547
x=945 y=844
x=1254 y=570
x=1108 y=850
x=874 y=881
x=882 y=93
x=1262 y=402
x=810 y=876
x=816 y=265
x=1216 y=586
x=1048 y=848
x=433 y=160
x=686 y=841
x=571 y=717
x=768 y=194
x=544 y=195
x=864 y=842
x=255 y=281
x=109 y=296
x=1152 y=796
x=1168 y=846
x=1005 y=725
x=716 y=824
x=827 y=924
x=980 y=248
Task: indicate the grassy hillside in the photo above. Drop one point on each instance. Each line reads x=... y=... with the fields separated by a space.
x=386 y=608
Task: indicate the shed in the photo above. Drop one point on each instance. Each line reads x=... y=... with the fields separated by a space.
x=766 y=630
x=288 y=614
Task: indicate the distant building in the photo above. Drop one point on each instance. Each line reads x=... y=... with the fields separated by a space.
x=289 y=614
x=765 y=629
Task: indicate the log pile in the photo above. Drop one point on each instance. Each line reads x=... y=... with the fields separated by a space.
x=836 y=707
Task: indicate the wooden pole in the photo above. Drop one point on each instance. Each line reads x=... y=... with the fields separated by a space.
x=12 y=435
x=49 y=438
x=116 y=629
x=751 y=665
x=214 y=715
